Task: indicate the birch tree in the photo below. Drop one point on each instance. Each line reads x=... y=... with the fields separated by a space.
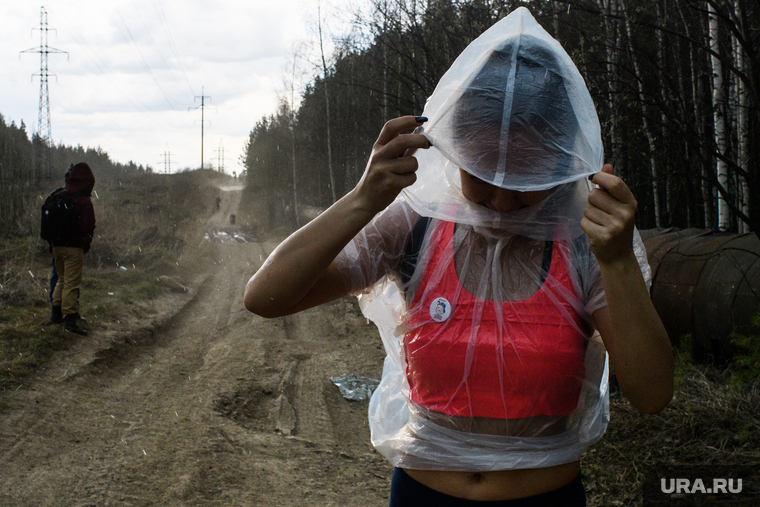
x=742 y=119
x=719 y=117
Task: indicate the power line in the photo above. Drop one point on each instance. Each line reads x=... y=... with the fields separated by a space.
x=106 y=71
x=162 y=17
x=156 y=46
x=147 y=67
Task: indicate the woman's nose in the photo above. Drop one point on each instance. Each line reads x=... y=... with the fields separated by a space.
x=504 y=200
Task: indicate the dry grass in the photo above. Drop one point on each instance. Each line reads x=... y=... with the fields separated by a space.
x=711 y=421
x=149 y=224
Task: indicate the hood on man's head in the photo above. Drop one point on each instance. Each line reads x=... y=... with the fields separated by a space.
x=80 y=179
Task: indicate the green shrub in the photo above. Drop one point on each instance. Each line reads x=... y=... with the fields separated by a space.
x=746 y=360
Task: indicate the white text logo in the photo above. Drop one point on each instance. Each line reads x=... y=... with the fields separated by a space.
x=679 y=486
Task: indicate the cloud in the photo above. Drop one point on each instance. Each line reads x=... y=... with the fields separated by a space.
x=135 y=69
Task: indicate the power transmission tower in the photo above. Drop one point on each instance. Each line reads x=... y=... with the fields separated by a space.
x=202 y=107
x=167 y=160
x=43 y=116
x=220 y=157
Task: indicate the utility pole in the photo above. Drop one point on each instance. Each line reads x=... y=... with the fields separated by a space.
x=202 y=107
x=167 y=160
x=43 y=116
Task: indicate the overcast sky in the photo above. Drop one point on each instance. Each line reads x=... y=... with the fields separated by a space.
x=134 y=67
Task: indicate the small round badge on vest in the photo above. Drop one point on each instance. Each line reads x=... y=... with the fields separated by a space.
x=440 y=309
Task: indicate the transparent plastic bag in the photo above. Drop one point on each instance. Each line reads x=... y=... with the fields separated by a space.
x=355 y=387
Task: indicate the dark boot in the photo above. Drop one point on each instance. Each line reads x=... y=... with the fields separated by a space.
x=78 y=317
x=56 y=317
x=70 y=324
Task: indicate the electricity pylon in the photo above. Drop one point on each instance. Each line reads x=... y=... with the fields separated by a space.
x=167 y=160
x=43 y=116
x=220 y=157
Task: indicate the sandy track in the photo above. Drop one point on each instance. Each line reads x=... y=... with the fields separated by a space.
x=213 y=406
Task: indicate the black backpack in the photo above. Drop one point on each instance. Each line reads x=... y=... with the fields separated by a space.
x=59 y=220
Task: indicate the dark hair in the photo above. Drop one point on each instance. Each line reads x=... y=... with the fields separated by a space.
x=539 y=109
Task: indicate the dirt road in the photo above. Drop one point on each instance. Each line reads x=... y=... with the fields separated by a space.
x=206 y=405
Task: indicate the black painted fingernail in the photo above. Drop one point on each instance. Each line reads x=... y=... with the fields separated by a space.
x=430 y=143
x=591 y=177
x=420 y=119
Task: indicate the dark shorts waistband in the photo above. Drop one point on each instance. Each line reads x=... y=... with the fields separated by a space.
x=407 y=492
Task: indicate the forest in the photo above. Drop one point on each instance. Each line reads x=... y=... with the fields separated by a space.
x=675 y=84
x=32 y=167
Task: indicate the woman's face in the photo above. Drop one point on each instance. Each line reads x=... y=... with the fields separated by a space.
x=502 y=200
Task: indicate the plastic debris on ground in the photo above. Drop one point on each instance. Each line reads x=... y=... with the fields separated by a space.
x=225 y=237
x=355 y=387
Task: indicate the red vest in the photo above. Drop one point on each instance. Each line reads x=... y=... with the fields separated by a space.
x=472 y=365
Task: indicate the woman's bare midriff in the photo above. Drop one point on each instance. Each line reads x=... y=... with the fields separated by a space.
x=499 y=485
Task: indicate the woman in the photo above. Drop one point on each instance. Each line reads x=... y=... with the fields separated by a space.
x=486 y=264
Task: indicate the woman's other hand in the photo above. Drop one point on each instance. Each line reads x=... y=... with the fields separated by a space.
x=609 y=217
x=391 y=166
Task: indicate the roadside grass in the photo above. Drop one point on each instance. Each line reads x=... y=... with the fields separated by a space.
x=712 y=420
x=746 y=360
x=148 y=226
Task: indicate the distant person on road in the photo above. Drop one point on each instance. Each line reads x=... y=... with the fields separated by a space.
x=218 y=202
x=74 y=224
x=487 y=262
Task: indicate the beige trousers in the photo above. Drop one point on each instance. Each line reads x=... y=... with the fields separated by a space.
x=68 y=264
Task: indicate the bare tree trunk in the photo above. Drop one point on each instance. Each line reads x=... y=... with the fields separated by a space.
x=398 y=88
x=385 y=76
x=696 y=92
x=293 y=141
x=742 y=126
x=685 y=91
x=355 y=144
x=609 y=9
x=645 y=121
x=327 y=106
x=663 y=119
x=719 y=118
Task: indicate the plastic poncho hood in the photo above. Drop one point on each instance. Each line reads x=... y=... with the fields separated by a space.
x=486 y=317
x=513 y=111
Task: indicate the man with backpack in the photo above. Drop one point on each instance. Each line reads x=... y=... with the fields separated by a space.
x=67 y=223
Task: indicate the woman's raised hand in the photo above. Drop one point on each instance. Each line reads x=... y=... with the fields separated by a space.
x=609 y=217
x=631 y=330
x=391 y=166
